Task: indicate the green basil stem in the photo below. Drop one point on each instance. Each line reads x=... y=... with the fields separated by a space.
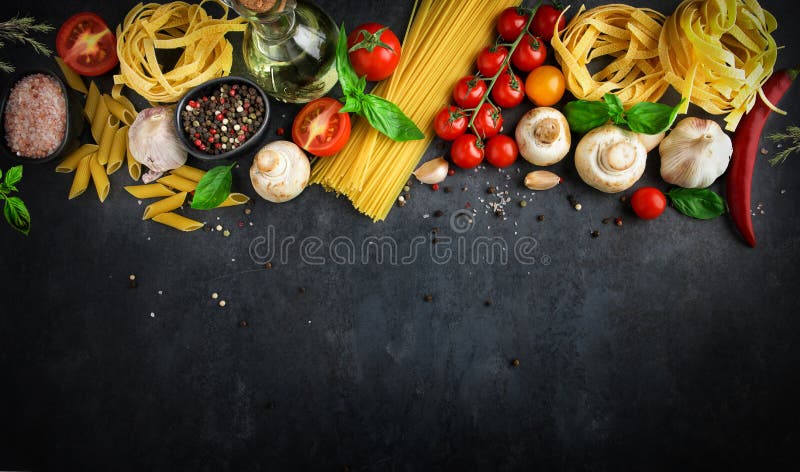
x=511 y=48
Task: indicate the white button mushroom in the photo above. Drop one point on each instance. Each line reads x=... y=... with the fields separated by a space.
x=610 y=158
x=280 y=171
x=543 y=136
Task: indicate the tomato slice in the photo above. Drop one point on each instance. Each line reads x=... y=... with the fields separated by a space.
x=87 y=45
x=320 y=129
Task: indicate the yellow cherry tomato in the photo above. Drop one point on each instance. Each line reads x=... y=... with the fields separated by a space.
x=545 y=86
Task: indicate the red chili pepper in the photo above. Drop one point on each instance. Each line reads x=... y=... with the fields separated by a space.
x=745 y=152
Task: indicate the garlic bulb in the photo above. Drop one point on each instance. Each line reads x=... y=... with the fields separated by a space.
x=433 y=171
x=610 y=158
x=541 y=180
x=543 y=136
x=153 y=142
x=695 y=153
x=280 y=171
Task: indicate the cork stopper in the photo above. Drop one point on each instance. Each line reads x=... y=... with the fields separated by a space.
x=262 y=6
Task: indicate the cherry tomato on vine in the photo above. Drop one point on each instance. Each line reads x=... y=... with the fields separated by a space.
x=467 y=151
x=373 y=50
x=511 y=23
x=501 y=151
x=450 y=123
x=469 y=91
x=508 y=90
x=488 y=121
x=544 y=22
x=545 y=86
x=648 y=203
x=530 y=54
x=320 y=129
x=490 y=60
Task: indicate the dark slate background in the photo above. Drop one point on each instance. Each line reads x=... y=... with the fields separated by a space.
x=659 y=345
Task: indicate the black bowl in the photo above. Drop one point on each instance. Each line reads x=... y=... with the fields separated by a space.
x=74 y=124
x=204 y=90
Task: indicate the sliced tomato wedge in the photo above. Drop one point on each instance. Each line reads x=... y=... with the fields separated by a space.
x=87 y=45
x=320 y=129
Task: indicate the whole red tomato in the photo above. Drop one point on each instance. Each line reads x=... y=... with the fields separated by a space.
x=467 y=151
x=530 y=54
x=469 y=91
x=491 y=59
x=648 y=203
x=373 y=50
x=544 y=22
x=501 y=151
x=488 y=121
x=511 y=23
x=508 y=90
x=450 y=123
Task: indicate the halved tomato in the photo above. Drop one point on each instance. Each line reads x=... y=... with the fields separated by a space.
x=87 y=45
x=320 y=129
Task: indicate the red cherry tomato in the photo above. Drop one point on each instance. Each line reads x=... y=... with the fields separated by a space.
x=488 y=121
x=544 y=22
x=530 y=54
x=450 y=123
x=501 y=151
x=508 y=90
x=648 y=203
x=373 y=50
x=87 y=45
x=490 y=60
x=469 y=91
x=511 y=23
x=467 y=151
x=320 y=129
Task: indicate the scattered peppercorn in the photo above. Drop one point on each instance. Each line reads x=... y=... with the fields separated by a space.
x=523 y=203
x=488 y=302
x=247 y=211
x=438 y=213
x=243 y=324
x=280 y=131
x=226 y=233
x=428 y=298
x=491 y=190
x=131 y=277
x=222 y=303
x=499 y=212
x=435 y=187
x=623 y=199
x=301 y=290
x=595 y=234
x=606 y=221
x=515 y=362
x=214 y=296
x=448 y=190
x=406 y=188
x=434 y=240
x=577 y=207
x=540 y=217
x=618 y=221
x=268 y=265
x=435 y=230
x=451 y=171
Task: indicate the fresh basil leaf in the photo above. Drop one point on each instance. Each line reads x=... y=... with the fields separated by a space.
x=387 y=118
x=17 y=215
x=13 y=176
x=616 y=110
x=651 y=118
x=347 y=75
x=213 y=188
x=352 y=103
x=585 y=115
x=1 y=173
x=699 y=203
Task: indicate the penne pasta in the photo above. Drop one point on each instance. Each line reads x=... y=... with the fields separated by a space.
x=134 y=167
x=81 y=180
x=177 y=221
x=116 y=108
x=70 y=163
x=189 y=172
x=92 y=100
x=117 y=153
x=164 y=205
x=149 y=191
x=73 y=79
x=100 y=119
x=99 y=177
x=234 y=199
x=107 y=139
x=178 y=183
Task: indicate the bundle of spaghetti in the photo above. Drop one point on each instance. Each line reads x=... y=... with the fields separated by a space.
x=718 y=54
x=629 y=37
x=439 y=48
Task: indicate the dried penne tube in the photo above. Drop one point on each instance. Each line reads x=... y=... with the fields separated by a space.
x=73 y=79
x=99 y=177
x=164 y=205
x=107 y=139
x=117 y=153
x=177 y=221
x=92 y=100
x=100 y=119
x=178 y=183
x=116 y=108
x=146 y=191
x=70 y=163
x=81 y=180
x=189 y=172
x=234 y=199
x=134 y=166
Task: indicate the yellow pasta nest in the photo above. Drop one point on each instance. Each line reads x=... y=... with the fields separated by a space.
x=147 y=28
x=718 y=54
x=625 y=35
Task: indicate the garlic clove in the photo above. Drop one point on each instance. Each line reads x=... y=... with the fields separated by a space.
x=433 y=171
x=695 y=153
x=541 y=180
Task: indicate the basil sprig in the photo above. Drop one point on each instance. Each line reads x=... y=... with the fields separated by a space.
x=644 y=117
x=14 y=208
x=699 y=203
x=213 y=188
x=382 y=114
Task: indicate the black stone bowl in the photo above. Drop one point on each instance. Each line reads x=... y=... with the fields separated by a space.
x=204 y=90
x=74 y=123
